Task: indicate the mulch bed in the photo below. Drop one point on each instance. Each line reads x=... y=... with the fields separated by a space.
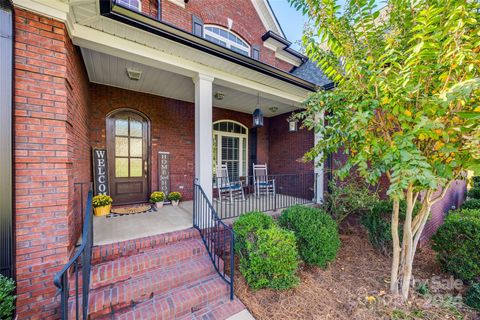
x=356 y=286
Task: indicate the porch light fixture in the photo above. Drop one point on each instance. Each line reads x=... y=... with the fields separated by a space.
x=134 y=74
x=292 y=123
x=257 y=114
x=219 y=95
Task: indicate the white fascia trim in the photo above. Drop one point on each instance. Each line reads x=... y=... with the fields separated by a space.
x=180 y=3
x=51 y=8
x=90 y=38
x=267 y=17
x=287 y=57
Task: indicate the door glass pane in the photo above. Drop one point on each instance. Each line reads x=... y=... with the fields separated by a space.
x=121 y=127
x=136 y=147
x=121 y=167
x=121 y=147
x=136 y=167
x=135 y=128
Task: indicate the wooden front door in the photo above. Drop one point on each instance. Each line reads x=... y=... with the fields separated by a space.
x=127 y=147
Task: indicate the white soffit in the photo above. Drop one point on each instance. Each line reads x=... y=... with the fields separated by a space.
x=112 y=71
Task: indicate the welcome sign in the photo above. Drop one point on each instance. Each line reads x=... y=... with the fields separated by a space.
x=100 y=171
x=164 y=172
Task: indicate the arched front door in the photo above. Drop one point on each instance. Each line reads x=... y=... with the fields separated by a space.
x=127 y=149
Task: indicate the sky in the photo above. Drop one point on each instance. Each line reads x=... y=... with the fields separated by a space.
x=291 y=20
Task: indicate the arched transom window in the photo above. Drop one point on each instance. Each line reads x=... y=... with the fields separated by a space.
x=230 y=147
x=227 y=39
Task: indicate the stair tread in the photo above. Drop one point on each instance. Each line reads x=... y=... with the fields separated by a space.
x=180 y=302
x=223 y=309
x=141 y=287
x=163 y=257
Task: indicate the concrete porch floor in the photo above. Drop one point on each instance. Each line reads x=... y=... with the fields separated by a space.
x=127 y=227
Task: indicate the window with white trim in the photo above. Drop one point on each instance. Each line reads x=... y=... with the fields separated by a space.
x=230 y=147
x=226 y=38
x=131 y=4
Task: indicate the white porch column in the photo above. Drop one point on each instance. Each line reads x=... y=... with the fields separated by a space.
x=319 y=166
x=203 y=132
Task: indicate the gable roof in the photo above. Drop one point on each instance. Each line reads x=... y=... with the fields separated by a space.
x=267 y=16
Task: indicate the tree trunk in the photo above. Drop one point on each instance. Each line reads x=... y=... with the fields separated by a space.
x=396 y=247
x=407 y=239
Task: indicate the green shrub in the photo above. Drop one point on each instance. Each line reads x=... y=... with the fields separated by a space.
x=378 y=224
x=471 y=204
x=271 y=259
x=476 y=181
x=316 y=232
x=457 y=244
x=474 y=193
x=472 y=298
x=246 y=226
x=348 y=198
x=7 y=299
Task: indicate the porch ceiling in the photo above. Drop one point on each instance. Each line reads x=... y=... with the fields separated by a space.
x=110 y=70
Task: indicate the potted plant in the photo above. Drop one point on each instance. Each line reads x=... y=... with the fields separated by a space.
x=174 y=197
x=157 y=198
x=102 y=204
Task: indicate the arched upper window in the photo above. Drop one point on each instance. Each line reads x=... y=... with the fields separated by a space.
x=230 y=147
x=226 y=38
x=131 y=4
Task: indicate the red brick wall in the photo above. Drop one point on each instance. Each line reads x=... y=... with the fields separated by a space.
x=172 y=125
x=246 y=21
x=45 y=134
x=287 y=148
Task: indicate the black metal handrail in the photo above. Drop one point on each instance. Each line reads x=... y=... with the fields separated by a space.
x=264 y=193
x=82 y=260
x=219 y=238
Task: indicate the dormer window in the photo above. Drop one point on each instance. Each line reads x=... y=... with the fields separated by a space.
x=226 y=39
x=131 y=4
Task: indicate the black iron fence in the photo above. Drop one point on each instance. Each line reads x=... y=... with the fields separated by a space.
x=77 y=273
x=219 y=239
x=267 y=193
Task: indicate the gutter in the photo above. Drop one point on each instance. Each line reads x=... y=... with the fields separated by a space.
x=110 y=9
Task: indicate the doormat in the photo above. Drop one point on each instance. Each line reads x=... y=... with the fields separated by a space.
x=134 y=209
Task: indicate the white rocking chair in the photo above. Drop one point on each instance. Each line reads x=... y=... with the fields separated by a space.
x=262 y=185
x=228 y=190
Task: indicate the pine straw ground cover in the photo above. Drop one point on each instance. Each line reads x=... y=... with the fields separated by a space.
x=356 y=286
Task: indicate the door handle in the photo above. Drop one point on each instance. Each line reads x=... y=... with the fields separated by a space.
x=145 y=168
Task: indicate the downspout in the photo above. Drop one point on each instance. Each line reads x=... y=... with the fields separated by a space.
x=6 y=139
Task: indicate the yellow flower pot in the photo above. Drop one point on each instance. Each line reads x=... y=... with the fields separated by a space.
x=102 y=211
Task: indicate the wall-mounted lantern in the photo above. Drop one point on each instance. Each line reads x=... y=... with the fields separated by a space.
x=292 y=123
x=258 y=115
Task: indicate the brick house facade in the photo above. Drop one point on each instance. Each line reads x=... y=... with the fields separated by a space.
x=61 y=103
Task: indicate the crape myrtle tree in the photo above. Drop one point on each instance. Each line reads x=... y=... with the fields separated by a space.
x=406 y=102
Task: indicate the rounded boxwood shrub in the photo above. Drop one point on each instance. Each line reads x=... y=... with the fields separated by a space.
x=471 y=204
x=474 y=193
x=378 y=224
x=271 y=259
x=316 y=232
x=7 y=299
x=472 y=298
x=246 y=226
x=457 y=244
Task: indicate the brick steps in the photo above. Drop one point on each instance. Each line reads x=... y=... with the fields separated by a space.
x=113 y=251
x=162 y=277
x=182 y=302
x=127 y=293
x=125 y=268
x=223 y=309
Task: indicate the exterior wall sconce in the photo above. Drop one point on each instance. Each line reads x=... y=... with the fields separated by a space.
x=292 y=123
x=258 y=115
